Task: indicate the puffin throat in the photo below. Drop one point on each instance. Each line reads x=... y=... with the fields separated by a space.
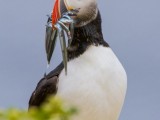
x=90 y=34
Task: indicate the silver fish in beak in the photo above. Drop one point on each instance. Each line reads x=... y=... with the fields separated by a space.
x=57 y=26
x=50 y=39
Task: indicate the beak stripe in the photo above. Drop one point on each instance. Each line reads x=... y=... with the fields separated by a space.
x=63 y=7
x=66 y=5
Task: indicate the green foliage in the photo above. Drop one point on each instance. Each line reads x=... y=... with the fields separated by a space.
x=54 y=109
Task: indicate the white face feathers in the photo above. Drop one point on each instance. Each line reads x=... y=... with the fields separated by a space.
x=88 y=10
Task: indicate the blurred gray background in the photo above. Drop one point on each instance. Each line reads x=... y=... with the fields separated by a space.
x=131 y=27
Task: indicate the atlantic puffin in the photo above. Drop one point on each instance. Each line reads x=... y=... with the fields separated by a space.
x=96 y=81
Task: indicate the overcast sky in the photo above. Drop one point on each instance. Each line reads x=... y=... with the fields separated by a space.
x=131 y=27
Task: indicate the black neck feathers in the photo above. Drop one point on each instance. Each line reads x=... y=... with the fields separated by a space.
x=90 y=34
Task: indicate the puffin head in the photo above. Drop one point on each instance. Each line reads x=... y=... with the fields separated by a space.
x=87 y=10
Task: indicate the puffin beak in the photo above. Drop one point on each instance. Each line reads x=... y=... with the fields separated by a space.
x=56 y=12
